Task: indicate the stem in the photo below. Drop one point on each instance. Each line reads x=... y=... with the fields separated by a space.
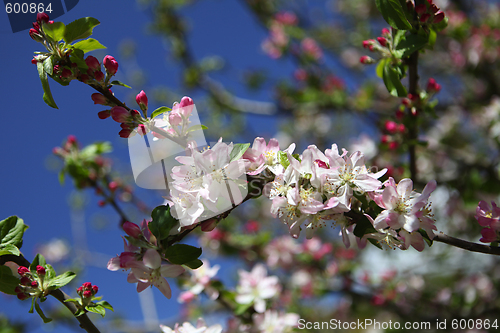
x=473 y=247
x=413 y=124
x=61 y=296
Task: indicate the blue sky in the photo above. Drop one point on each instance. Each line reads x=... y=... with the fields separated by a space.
x=31 y=129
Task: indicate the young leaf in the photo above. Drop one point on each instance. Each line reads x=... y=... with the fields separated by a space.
x=8 y=249
x=105 y=305
x=283 y=158
x=196 y=128
x=393 y=82
x=238 y=150
x=41 y=314
x=392 y=11
x=88 y=45
x=47 y=95
x=118 y=83
x=159 y=111
x=50 y=273
x=79 y=29
x=194 y=264
x=180 y=254
x=380 y=67
x=99 y=309
x=54 y=30
x=11 y=231
x=48 y=66
x=162 y=222
x=8 y=282
x=411 y=44
x=39 y=260
x=363 y=227
x=61 y=280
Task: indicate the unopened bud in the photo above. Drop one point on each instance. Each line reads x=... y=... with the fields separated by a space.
x=34 y=284
x=438 y=17
x=99 y=75
x=208 y=225
x=95 y=289
x=386 y=32
x=366 y=60
x=87 y=294
x=110 y=64
x=433 y=86
x=186 y=106
x=391 y=126
x=104 y=114
x=22 y=296
x=66 y=73
x=368 y=44
x=142 y=100
x=425 y=17
x=42 y=17
x=35 y=35
x=174 y=118
x=125 y=133
x=99 y=99
x=141 y=129
x=40 y=270
x=420 y=9
x=120 y=114
x=132 y=229
x=22 y=270
x=382 y=41
x=92 y=63
x=433 y=8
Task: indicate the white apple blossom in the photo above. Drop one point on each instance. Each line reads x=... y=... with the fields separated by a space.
x=256 y=287
x=201 y=327
x=274 y=322
x=200 y=281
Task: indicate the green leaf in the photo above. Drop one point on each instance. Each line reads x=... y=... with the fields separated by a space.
x=118 y=83
x=426 y=237
x=41 y=314
x=97 y=148
x=77 y=56
x=179 y=254
x=99 y=309
x=54 y=30
x=39 y=260
x=61 y=177
x=283 y=158
x=363 y=227
x=392 y=82
x=196 y=128
x=47 y=95
x=375 y=242
x=194 y=264
x=238 y=150
x=48 y=66
x=61 y=280
x=162 y=222
x=88 y=45
x=392 y=11
x=8 y=282
x=79 y=29
x=441 y=25
x=11 y=231
x=411 y=44
x=105 y=305
x=432 y=38
x=9 y=249
x=50 y=273
x=380 y=67
x=159 y=111
x=242 y=308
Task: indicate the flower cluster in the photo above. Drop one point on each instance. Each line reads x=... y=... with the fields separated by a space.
x=428 y=12
x=31 y=284
x=317 y=187
x=199 y=282
x=146 y=268
x=278 y=38
x=489 y=219
x=383 y=45
x=405 y=214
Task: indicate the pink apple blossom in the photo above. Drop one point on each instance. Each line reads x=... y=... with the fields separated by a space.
x=256 y=287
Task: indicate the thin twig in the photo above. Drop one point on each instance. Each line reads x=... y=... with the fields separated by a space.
x=473 y=247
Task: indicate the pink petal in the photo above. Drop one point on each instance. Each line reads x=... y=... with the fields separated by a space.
x=171 y=270
x=152 y=259
x=163 y=286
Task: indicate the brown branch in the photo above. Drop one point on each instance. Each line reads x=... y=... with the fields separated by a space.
x=473 y=247
x=61 y=296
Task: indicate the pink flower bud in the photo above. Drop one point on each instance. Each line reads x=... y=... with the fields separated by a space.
x=186 y=297
x=22 y=270
x=366 y=60
x=35 y=35
x=142 y=100
x=382 y=41
x=104 y=114
x=386 y=32
x=25 y=281
x=95 y=289
x=22 y=296
x=438 y=17
x=40 y=270
x=420 y=9
x=113 y=185
x=42 y=17
x=132 y=229
x=135 y=114
x=84 y=78
x=87 y=285
x=401 y=128
x=119 y=114
x=66 y=73
x=433 y=8
x=110 y=64
x=99 y=76
x=92 y=63
x=252 y=226
x=34 y=61
x=125 y=133
x=393 y=145
x=425 y=17
x=71 y=140
x=186 y=106
x=286 y=18
x=87 y=294
x=384 y=139
x=489 y=235
x=391 y=127
x=433 y=86
x=174 y=118
x=34 y=284
x=79 y=290
x=99 y=99
x=208 y=225
x=368 y=44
